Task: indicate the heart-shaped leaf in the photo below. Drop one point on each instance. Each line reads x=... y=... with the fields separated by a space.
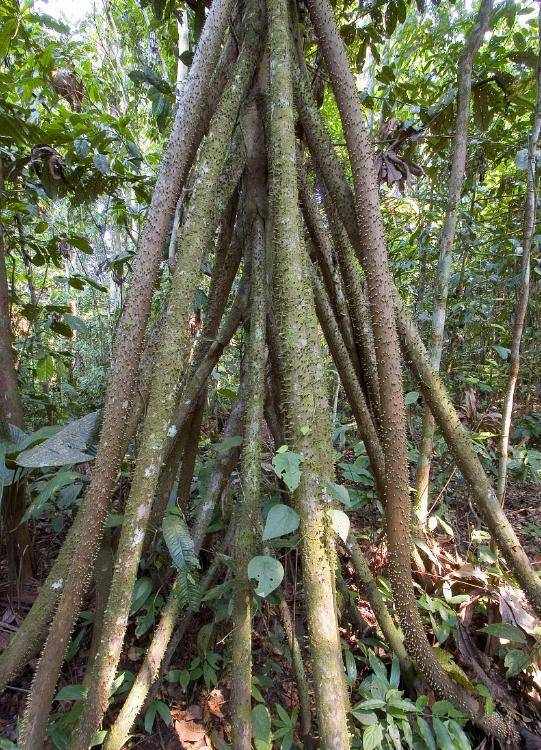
x=281 y=520
x=267 y=571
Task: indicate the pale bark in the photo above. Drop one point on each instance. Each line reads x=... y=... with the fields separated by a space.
x=447 y=238
x=523 y=291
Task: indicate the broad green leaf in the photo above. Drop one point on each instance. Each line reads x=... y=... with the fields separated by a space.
x=393 y=733
x=442 y=735
x=81 y=243
x=458 y=735
x=394 y=679
x=150 y=715
x=114 y=520
x=503 y=351
x=7 y=33
x=179 y=541
x=76 y=323
x=340 y=493
x=71 y=693
x=281 y=520
x=351 y=666
x=145 y=622
x=445 y=708
x=81 y=146
x=47 y=491
x=6 y=475
x=451 y=667
x=505 y=630
x=256 y=694
x=378 y=667
x=184 y=678
x=87 y=280
x=156 y=707
x=286 y=465
x=411 y=398
x=261 y=727
x=426 y=733
x=515 y=661
x=101 y=162
x=228 y=443
x=65 y=447
x=163 y=709
x=485 y=692
x=357 y=472
x=403 y=704
x=372 y=737
x=365 y=717
x=370 y=704
x=407 y=733
x=98 y=738
x=141 y=592
x=283 y=714
x=45 y=368
x=267 y=571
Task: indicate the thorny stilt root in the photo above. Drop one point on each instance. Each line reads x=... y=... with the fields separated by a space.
x=362 y=330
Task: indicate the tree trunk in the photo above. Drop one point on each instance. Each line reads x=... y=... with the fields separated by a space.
x=443 y=273
x=530 y=213
x=16 y=534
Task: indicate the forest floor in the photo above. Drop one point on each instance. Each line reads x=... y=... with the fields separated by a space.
x=200 y=720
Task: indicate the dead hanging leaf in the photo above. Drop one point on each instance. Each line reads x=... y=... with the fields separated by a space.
x=393 y=166
x=189 y=727
x=516 y=610
x=469 y=572
x=67 y=85
x=215 y=701
x=468 y=409
x=43 y=156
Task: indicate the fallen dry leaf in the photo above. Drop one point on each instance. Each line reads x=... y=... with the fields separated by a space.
x=469 y=572
x=188 y=727
x=515 y=610
x=215 y=701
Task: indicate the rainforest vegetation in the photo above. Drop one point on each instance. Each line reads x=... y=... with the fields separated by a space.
x=270 y=402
